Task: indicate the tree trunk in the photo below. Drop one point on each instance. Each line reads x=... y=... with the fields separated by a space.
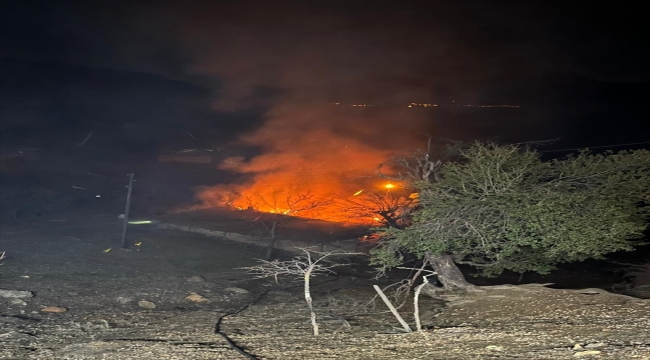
x=448 y=272
x=272 y=241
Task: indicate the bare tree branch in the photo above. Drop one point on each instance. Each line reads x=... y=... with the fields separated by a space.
x=303 y=266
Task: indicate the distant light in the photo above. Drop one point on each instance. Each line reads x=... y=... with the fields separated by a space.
x=389 y=186
x=140 y=222
x=357 y=193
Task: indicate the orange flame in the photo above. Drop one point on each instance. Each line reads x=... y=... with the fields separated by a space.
x=305 y=169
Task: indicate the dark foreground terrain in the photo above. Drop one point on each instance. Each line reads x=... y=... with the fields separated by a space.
x=133 y=304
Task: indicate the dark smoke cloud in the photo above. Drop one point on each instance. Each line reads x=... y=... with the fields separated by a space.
x=337 y=47
x=280 y=54
x=355 y=50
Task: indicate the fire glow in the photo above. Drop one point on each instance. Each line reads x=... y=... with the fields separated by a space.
x=296 y=189
x=306 y=169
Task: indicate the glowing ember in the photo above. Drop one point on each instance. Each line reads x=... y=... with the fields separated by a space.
x=357 y=193
x=389 y=186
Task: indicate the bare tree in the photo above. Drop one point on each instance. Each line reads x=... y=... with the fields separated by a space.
x=311 y=264
x=421 y=166
x=301 y=204
x=418 y=290
x=304 y=204
x=391 y=209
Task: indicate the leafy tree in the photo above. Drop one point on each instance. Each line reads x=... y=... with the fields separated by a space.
x=505 y=208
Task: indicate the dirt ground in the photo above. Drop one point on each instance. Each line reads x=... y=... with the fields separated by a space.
x=75 y=263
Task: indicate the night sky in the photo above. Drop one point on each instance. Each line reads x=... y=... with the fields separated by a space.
x=147 y=73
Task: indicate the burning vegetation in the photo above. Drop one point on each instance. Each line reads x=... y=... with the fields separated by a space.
x=315 y=168
x=378 y=202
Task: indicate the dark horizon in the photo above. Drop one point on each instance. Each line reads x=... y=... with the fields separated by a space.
x=226 y=69
x=61 y=97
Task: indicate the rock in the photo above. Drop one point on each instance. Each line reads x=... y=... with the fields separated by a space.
x=503 y=287
x=196 y=298
x=641 y=291
x=592 y=291
x=196 y=279
x=460 y=302
x=15 y=335
x=595 y=345
x=146 y=304
x=17 y=302
x=15 y=294
x=494 y=348
x=586 y=353
x=577 y=347
x=123 y=300
x=236 y=290
x=54 y=309
x=99 y=324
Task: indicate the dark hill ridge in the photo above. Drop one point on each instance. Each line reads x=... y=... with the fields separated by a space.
x=56 y=104
x=25 y=74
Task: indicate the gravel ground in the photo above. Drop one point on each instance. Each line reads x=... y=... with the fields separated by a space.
x=102 y=293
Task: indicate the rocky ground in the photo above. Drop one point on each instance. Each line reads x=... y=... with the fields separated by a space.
x=181 y=296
